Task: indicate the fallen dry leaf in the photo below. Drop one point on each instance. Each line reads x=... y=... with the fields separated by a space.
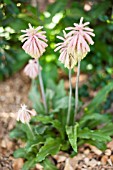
x=18 y=163
x=68 y=165
x=39 y=167
x=104 y=159
x=110 y=145
x=95 y=150
x=60 y=158
x=108 y=152
x=111 y=158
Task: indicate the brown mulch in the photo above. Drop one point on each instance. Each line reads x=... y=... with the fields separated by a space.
x=13 y=92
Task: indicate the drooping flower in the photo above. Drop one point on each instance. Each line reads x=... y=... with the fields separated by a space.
x=75 y=45
x=24 y=115
x=80 y=39
x=31 y=69
x=34 y=41
x=66 y=54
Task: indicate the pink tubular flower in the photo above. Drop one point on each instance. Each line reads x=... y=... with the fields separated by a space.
x=80 y=38
x=31 y=69
x=34 y=41
x=24 y=115
x=66 y=54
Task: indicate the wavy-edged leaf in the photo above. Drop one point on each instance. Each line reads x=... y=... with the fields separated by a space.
x=34 y=143
x=97 y=118
x=93 y=135
x=108 y=129
x=51 y=147
x=72 y=135
x=98 y=144
x=40 y=129
x=29 y=164
x=20 y=153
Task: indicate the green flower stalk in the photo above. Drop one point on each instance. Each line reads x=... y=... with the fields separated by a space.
x=30 y=129
x=67 y=59
x=76 y=89
x=70 y=96
x=42 y=86
x=73 y=49
x=79 y=41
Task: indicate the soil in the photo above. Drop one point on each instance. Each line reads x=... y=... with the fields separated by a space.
x=13 y=92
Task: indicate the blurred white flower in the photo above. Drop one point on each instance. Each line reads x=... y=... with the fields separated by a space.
x=66 y=54
x=31 y=69
x=24 y=115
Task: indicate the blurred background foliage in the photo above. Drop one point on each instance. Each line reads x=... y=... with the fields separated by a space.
x=55 y=15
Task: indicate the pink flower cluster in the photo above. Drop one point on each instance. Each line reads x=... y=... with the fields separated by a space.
x=75 y=45
x=34 y=41
x=66 y=54
x=24 y=115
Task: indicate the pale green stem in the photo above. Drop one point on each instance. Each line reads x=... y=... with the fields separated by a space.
x=30 y=130
x=70 y=96
x=76 y=89
x=42 y=87
x=33 y=82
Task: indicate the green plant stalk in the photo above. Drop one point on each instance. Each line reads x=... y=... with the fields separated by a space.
x=30 y=130
x=70 y=96
x=33 y=82
x=42 y=87
x=76 y=89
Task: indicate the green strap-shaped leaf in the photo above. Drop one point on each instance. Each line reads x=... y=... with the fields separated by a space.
x=17 y=133
x=29 y=164
x=51 y=147
x=72 y=135
x=34 y=143
x=60 y=88
x=43 y=119
x=20 y=153
x=62 y=103
x=108 y=129
x=35 y=98
x=98 y=144
x=99 y=118
x=93 y=135
x=100 y=97
x=48 y=165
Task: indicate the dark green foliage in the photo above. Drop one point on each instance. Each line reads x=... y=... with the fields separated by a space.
x=101 y=97
x=12 y=57
x=51 y=146
x=15 y=15
x=51 y=135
